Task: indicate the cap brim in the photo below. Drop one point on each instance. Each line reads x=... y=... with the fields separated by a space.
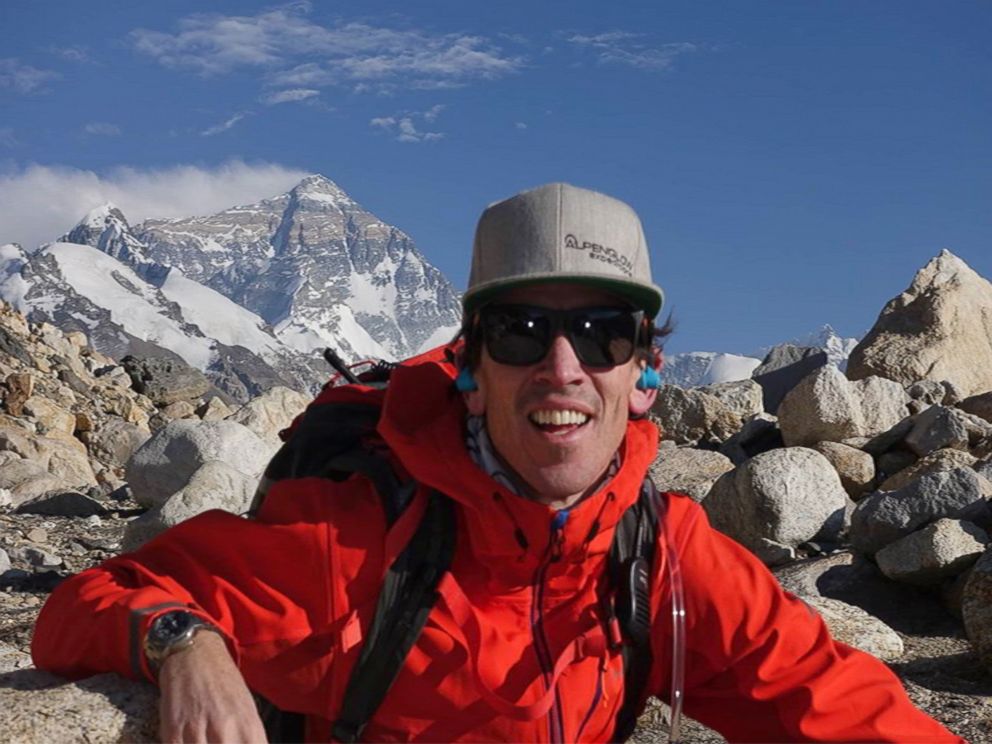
x=649 y=298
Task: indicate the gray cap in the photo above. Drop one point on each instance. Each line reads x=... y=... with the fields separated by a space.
x=560 y=232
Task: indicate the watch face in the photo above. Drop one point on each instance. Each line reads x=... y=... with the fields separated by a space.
x=170 y=626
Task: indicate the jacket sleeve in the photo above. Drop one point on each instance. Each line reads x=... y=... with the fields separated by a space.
x=760 y=663
x=258 y=583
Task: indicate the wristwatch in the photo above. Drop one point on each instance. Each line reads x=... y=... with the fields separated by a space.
x=171 y=633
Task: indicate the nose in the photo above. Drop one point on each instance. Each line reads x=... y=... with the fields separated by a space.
x=560 y=367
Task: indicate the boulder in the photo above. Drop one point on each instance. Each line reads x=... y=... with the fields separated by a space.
x=782 y=369
x=976 y=608
x=759 y=434
x=63 y=504
x=272 y=411
x=164 y=464
x=937 y=552
x=855 y=468
x=743 y=397
x=214 y=409
x=939 y=329
x=885 y=516
x=928 y=392
x=67 y=460
x=825 y=406
x=115 y=441
x=179 y=410
x=50 y=416
x=855 y=627
x=215 y=485
x=20 y=387
x=165 y=380
x=778 y=500
x=40 y=707
x=692 y=417
x=978 y=405
x=937 y=461
x=689 y=471
x=936 y=428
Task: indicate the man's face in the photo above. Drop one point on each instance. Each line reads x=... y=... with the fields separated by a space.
x=559 y=462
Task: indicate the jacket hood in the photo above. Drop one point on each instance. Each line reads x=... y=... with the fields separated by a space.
x=423 y=422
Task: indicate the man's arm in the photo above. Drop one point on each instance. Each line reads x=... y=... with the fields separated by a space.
x=761 y=665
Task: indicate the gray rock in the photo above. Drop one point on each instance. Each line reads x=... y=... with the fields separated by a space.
x=4 y=561
x=271 y=411
x=938 y=329
x=115 y=441
x=782 y=369
x=780 y=498
x=978 y=405
x=976 y=608
x=67 y=460
x=743 y=397
x=936 y=428
x=938 y=551
x=214 y=409
x=63 y=504
x=215 y=485
x=692 y=417
x=885 y=516
x=827 y=407
x=855 y=468
x=855 y=627
x=937 y=461
x=11 y=658
x=759 y=434
x=165 y=380
x=929 y=392
x=35 y=556
x=40 y=707
x=689 y=471
x=166 y=462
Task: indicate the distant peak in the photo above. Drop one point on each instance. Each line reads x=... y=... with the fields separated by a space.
x=99 y=216
x=318 y=183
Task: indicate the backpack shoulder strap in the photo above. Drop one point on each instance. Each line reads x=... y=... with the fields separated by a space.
x=630 y=563
x=408 y=594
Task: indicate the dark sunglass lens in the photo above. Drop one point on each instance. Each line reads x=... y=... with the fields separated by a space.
x=604 y=338
x=516 y=336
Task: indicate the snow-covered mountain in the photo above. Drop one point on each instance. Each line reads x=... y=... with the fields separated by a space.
x=696 y=368
x=250 y=295
x=319 y=268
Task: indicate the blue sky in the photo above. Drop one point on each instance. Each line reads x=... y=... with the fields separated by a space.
x=794 y=163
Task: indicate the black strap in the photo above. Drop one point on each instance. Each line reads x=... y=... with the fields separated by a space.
x=405 y=600
x=635 y=539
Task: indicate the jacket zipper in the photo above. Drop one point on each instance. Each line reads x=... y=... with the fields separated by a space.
x=556 y=727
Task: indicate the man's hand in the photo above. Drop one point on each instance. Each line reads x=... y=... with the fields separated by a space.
x=205 y=698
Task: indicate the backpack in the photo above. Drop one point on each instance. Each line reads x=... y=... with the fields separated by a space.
x=334 y=440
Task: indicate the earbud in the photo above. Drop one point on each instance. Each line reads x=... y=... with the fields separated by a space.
x=649 y=379
x=465 y=382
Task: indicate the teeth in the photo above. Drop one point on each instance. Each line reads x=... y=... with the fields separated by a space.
x=558 y=417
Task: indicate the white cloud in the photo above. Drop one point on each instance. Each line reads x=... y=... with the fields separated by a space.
x=520 y=125
x=295 y=51
x=102 y=128
x=72 y=53
x=24 y=78
x=288 y=96
x=223 y=126
x=40 y=202
x=625 y=48
x=403 y=128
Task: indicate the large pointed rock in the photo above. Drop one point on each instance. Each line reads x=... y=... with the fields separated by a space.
x=940 y=328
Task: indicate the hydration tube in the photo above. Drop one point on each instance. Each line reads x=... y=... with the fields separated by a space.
x=678 y=623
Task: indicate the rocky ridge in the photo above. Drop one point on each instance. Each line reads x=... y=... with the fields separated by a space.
x=867 y=495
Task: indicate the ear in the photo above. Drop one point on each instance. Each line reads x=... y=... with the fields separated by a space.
x=641 y=399
x=475 y=402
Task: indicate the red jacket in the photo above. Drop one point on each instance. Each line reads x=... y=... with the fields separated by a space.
x=294 y=591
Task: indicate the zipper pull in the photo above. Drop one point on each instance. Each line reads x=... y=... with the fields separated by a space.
x=557 y=536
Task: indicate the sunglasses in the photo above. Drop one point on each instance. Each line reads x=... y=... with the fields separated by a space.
x=521 y=335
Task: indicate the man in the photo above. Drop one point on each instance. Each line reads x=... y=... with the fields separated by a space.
x=538 y=439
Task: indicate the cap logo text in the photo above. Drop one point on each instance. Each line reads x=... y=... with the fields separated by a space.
x=602 y=253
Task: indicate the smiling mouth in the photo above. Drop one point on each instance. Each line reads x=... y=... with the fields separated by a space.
x=557 y=421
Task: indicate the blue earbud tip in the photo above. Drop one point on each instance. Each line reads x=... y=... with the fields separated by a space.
x=649 y=379
x=464 y=382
